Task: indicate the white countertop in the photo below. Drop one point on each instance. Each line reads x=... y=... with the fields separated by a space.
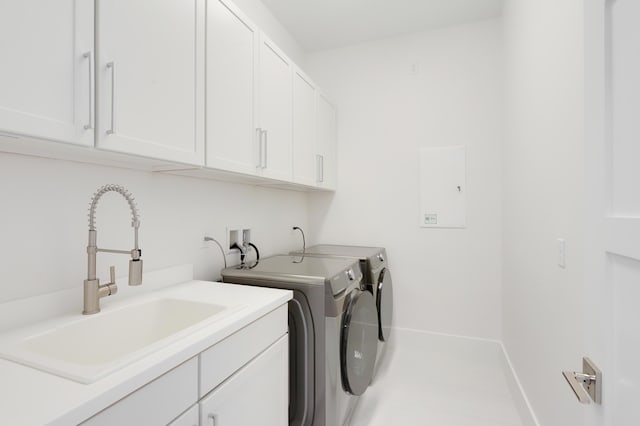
x=32 y=397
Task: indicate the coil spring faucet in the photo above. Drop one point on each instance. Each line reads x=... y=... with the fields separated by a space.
x=93 y=291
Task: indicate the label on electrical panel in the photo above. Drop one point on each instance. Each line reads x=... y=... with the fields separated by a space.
x=430 y=219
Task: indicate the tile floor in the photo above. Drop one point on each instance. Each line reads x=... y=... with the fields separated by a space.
x=436 y=380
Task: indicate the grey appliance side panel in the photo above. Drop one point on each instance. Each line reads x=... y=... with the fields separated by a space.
x=302 y=360
x=314 y=299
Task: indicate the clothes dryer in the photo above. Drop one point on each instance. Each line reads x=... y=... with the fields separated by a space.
x=377 y=279
x=332 y=333
x=377 y=276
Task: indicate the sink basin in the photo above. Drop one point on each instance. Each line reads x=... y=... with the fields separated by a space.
x=92 y=347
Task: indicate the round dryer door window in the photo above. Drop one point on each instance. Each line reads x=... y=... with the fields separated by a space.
x=358 y=346
x=384 y=304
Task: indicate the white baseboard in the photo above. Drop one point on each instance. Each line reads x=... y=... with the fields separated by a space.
x=520 y=399
x=522 y=404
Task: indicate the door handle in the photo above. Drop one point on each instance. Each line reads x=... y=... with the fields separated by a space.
x=587 y=385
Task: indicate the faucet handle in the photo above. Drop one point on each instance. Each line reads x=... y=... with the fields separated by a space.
x=112 y=274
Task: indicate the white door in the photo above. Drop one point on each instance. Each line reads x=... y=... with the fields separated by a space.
x=275 y=113
x=612 y=311
x=232 y=56
x=257 y=394
x=326 y=160
x=150 y=78
x=304 y=129
x=46 y=71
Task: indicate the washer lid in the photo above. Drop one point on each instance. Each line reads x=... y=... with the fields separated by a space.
x=290 y=269
x=384 y=304
x=359 y=341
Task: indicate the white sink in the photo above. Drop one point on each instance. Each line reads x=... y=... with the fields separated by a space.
x=89 y=348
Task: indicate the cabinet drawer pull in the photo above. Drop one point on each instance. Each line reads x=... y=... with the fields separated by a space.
x=213 y=419
x=259 y=136
x=320 y=167
x=89 y=56
x=112 y=67
x=265 y=154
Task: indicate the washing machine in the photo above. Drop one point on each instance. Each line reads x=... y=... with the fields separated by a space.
x=333 y=333
x=377 y=279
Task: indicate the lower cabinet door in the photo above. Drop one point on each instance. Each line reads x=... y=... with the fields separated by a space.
x=257 y=394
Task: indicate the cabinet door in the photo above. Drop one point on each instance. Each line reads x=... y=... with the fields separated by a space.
x=46 y=82
x=156 y=403
x=232 y=55
x=256 y=395
x=150 y=78
x=326 y=160
x=304 y=129
x=275 y=111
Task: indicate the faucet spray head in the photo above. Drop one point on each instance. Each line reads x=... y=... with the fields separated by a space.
x=135 y=272
x=135 y=264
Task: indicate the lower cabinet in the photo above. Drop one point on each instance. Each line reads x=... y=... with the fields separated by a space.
x=240 y=381
x=256 y=395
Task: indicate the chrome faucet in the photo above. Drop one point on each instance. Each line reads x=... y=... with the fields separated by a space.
x=93 y=291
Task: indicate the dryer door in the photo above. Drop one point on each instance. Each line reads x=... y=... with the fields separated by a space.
x=384 y=304
x=359 y=341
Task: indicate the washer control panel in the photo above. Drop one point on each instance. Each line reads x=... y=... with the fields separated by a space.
x=350 y=275
x=345 y=279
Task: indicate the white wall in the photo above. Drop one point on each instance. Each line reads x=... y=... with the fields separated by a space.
x=268 y=23
x=543 y=201
x=445 y=280
x=43 y=222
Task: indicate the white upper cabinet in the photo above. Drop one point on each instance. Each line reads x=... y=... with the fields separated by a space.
x=274 y=112
x=305 y=132
x=46 y=83
x=232 y=56
x=326 y=160
x=193 y=83
x=150 y=78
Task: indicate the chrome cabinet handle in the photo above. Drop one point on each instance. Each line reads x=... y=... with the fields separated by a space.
x=89 y=56
x=259 y=135
x=320 y=168
x=112 y=67
x=213 y=419
x=265 y=154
